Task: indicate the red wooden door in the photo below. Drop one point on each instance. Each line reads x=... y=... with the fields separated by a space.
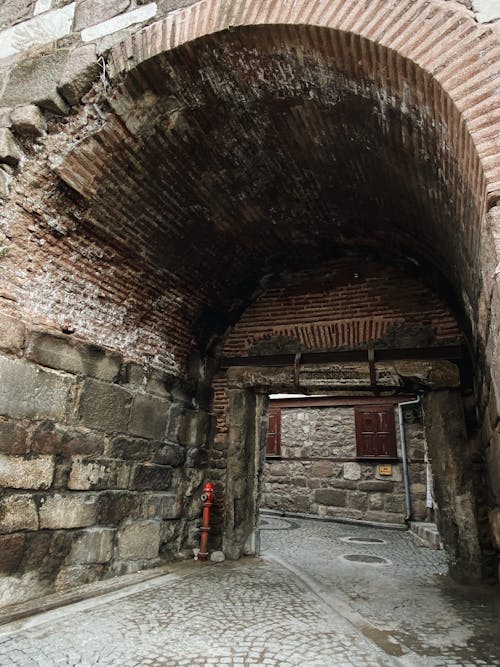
x=273 y=447
x=375 y=431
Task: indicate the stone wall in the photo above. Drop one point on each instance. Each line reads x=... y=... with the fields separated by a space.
x=313 y=476
x=99 y=464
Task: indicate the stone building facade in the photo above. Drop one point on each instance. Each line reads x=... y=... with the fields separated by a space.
x=162 y=164
x=318 y=470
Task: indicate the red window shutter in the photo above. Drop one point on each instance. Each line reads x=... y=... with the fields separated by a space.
x=375 y=432
x=273 y=447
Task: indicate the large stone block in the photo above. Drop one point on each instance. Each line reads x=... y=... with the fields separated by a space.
x=138 y=541
x=78 y=575
x=147 y=477
x=12 y=438
x=493 y=466
x=149 y=417
x=105 y=406
x=94 y=545
x=90 y=12
x=41 y=29
x=10 y=153
x=352 y=471
x=12 y=11
x=79 y=74
x=486 y=10
x=12 y=333
x=193 y=428
x=119 y=22
x=17 y=472
x=77 y=510
x=50 y=438
x=114 y=506
x=28 y=121
x=494 y=517
x=376 y=486
x=127 y=448
x=18 y=512
x=29 y=391
x=34 y=81
x=163 y=506
x=74 y=356
x=11 y=552
x=99 y=474
x=330 y=497
x=37 y=550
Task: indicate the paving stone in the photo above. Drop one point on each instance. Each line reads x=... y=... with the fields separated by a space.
x=262 y=613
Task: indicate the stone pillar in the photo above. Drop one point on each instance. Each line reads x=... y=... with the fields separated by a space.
x=246 y=416
x=451 y=462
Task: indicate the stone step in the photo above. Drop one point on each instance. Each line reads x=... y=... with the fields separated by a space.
x=427 y=532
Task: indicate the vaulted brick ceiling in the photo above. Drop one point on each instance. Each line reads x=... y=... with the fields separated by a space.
x=269 y=147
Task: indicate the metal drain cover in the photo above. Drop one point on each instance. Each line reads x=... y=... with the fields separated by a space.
x=363 y=540
x=364 y=558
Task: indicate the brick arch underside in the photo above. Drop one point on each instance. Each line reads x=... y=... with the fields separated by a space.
x=291 y=139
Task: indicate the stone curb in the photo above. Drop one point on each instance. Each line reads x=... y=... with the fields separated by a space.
x=17 y=612
x=332 y=519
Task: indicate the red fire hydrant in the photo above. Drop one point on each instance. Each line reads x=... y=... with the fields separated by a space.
x=207 y=498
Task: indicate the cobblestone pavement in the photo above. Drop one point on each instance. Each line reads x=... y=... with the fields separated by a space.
x=302 y=604
x=408 y=598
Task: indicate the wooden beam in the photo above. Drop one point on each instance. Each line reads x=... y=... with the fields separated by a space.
x=449 y=352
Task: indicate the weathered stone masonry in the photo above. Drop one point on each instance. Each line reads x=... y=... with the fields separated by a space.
x=98 y=464
x=304 y=480
x=145 y=148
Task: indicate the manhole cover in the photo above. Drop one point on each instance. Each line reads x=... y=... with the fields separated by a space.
x=364 y=540
x=364 y=558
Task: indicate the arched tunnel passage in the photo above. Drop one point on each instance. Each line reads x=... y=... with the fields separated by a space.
x=215 y=160
x=314 y=332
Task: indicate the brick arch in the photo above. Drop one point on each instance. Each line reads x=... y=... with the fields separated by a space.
x=437 y=51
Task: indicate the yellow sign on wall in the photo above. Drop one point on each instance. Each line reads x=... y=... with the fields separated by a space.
x=385 y=470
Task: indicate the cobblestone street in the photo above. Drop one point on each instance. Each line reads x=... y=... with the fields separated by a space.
x=305 y=602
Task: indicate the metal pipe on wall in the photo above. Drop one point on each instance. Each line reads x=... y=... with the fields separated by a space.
x=404 y=454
